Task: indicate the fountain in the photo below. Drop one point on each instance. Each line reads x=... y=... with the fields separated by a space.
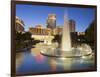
x=66 y=50
x=66 y=41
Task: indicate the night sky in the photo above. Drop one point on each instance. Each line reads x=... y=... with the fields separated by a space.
x=36 y=14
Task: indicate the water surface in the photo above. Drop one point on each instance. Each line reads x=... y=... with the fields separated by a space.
x=31 y=61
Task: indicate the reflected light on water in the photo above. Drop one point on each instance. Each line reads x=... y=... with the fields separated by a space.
x=34 y=61
x=19 y=59
x=39 y=58
x=53 y=65
x=36 y=53
x=66 y=63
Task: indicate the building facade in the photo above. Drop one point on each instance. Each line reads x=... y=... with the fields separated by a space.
x=51 y=21
x=72 y=25
x=19 y=25
x=39 y=30
x=57 y=31
x=42 y=34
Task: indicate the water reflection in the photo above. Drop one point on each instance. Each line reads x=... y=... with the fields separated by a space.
x=66 y=63
x=36 y=54
x=40 y=59
x=31 y=61
x=19 y=59
x=53 y=64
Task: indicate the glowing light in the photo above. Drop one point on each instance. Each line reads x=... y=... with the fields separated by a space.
x=83 y=57
x=62 y=58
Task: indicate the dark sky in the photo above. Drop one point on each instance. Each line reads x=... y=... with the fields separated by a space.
x=36 y=14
